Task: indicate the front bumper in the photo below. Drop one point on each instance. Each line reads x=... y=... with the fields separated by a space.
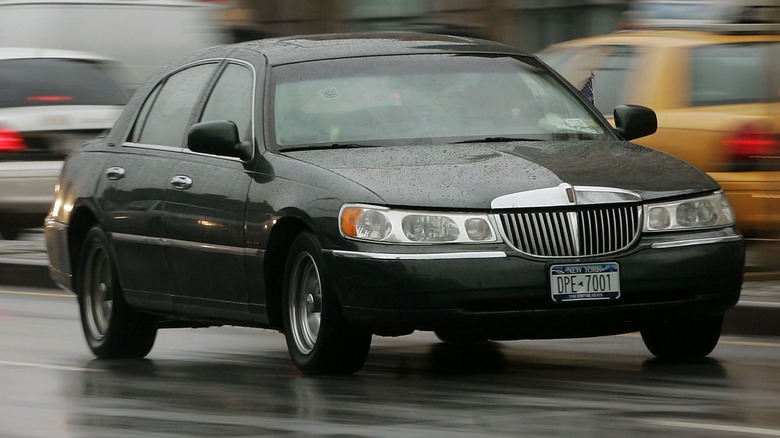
x=502 y=294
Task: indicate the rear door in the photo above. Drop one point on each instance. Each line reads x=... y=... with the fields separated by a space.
x=135 y=180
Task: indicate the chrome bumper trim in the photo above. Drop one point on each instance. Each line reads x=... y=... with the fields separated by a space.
x=436 y=256
x=692 y=242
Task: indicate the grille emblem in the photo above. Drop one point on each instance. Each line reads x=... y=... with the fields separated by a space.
x=570 y=195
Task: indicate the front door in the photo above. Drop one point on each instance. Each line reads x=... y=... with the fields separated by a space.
x=205 y=205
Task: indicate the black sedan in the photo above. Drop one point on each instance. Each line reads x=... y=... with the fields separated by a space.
x=336 y=187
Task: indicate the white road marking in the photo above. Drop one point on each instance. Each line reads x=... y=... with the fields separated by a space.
x=38 y=294
x=715 y=427
x=45 y=366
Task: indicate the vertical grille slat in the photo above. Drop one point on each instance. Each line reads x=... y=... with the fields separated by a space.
x=568 y=239
x=574 y=232
x=561 y=238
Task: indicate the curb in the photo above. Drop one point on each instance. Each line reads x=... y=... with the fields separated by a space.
x=752 y=318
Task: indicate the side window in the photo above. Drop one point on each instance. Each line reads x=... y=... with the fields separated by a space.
x=165 y=121
x=611 y=80
x=231 y=99
x=143 y=115
x=730 y=73
x=557 y=59
x=611 y=67
x=774 y=71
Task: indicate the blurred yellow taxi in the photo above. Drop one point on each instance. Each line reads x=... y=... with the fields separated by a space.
x=717 y=97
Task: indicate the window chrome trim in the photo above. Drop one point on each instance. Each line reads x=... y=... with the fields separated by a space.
x=694 y=242
x=433 y=256
x=222 y=63
x=130 y=144
x=249 y=66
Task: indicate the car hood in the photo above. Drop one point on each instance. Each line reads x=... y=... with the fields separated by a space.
x=473 y=175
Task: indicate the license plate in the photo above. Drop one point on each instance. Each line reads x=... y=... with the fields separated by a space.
x=587 y=281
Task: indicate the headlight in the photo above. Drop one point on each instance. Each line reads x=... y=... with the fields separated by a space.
x=705 y=212
x=381 y=224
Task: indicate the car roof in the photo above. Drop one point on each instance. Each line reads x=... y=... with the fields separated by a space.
x=669 y=38
x=286 y=50
x=37 y=53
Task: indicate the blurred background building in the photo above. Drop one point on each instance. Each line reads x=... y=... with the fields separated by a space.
x=530 y=25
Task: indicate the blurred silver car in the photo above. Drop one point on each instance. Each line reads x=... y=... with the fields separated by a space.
x=50 y=102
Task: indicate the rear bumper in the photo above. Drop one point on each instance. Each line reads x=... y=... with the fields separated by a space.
x=27 y=191
x=507 y=296
x=56 y=240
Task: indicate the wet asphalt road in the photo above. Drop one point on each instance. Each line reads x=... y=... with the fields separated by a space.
x=236 y=382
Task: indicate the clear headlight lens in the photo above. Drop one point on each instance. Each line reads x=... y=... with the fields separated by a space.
x=705 y=212
x=381 y=224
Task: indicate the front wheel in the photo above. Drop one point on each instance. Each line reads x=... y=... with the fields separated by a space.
x=318 y=338
x=683 y=338
x=112 y=329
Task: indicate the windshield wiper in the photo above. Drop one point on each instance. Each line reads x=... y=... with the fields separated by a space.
x=316 y=147
x=496 y=140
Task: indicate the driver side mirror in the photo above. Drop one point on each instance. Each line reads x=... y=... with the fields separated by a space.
x=218 y=137
x=635 y=121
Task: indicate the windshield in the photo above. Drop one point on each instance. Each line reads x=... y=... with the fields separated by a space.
x=422 y=99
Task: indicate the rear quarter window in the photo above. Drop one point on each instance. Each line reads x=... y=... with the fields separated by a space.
x=54 y=81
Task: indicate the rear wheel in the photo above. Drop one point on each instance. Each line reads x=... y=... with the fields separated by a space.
x=318 y=338
x=112 y=329
x=683 y=338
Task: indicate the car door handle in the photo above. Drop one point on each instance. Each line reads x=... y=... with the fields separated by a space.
x=114 y=173
x=181 y=182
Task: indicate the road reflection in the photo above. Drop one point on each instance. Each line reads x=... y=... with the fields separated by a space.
x=238 y=382
x=488 y=389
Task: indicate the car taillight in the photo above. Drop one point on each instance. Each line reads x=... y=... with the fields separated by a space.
x=49 y=98
x=11 y=141
x=751 y=146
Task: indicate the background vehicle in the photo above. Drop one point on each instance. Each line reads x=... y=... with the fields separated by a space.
x=736 y=15
x=716 y=97
x=340 y=186
x=51 y=101
x=142 y=34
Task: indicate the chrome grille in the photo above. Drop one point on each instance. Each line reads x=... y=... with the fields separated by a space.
x=570 y=233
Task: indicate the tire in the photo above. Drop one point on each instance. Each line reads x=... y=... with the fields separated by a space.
x=111 y=328
x=318 y=338
x=683 y=339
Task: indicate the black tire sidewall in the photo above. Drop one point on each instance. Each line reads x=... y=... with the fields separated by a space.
x=340 y=348
x=691 y=338
x=95 y=237
x=129 y=334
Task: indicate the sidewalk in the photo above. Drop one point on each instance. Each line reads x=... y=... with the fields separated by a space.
x=24 y=262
